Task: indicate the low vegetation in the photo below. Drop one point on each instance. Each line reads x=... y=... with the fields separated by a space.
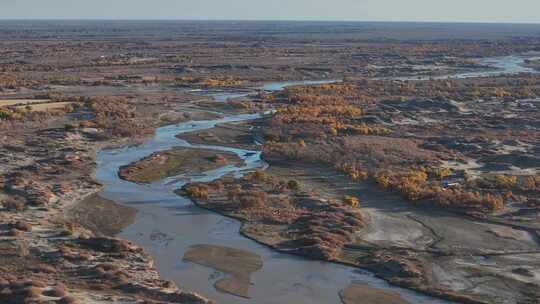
x=302 y=223
x=343 y=126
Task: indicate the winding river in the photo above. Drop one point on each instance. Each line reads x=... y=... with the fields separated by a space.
x=167 y=224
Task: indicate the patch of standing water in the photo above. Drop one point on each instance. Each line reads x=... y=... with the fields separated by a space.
x=222 y=96
x=500 y=65
x=278 y=86
x=165 y=215
x=506 y=65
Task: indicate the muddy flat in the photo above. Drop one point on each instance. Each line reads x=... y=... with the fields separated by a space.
x=358 y=293
x=237 y=135
x=101 y=216
x=237 y=264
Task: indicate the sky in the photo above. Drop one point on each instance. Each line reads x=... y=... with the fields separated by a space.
x=350 y=10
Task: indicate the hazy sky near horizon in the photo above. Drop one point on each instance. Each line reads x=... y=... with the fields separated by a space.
x=362 y=10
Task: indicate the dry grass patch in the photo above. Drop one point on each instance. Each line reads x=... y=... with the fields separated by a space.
x=15 y=102
x=44 y=107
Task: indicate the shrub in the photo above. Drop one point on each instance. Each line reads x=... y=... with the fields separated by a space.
x=353 y=172
x=259 y=176
x=197 y=191
x=71 y=126
x=411 y=191
x=253 y=199
x=234 y=192
x=293 y=185
x=23 y=249
x=45 y=269
x=12 y=204
x=14 y=232
x=441 y=173
x=23 y=226
x=220 y=159
x=505 y=181
x=351 y=201
x=57 y=291
x=217 y=184
x=469 y=201
x=5 y=114
x=383 y=180
x=530 y=183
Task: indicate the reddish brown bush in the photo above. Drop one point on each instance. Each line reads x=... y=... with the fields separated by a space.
x=14 y=205
x=23 y=226
x=197 y=191
x=253 y=199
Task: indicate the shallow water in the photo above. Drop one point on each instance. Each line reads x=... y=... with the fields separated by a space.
x=277 y=86
x=500 y=65
x=224 y=95
x=167 y=224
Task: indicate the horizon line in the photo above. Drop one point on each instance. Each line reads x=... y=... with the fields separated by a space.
x=271 y=20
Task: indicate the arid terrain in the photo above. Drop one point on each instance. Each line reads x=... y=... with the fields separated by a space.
x=406 y=151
